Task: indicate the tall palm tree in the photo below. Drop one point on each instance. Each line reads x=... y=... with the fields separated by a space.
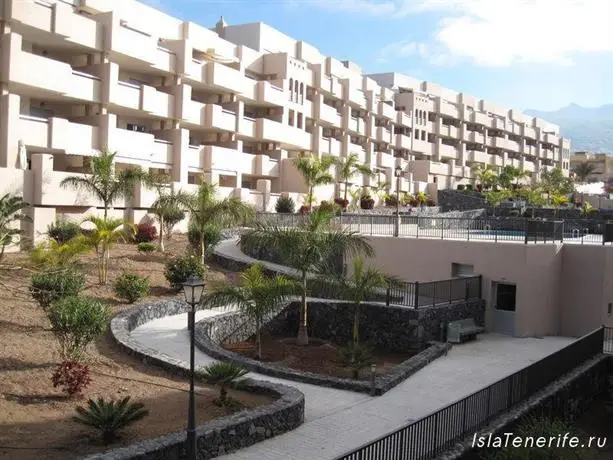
x=307 y=248
x=105 y=233
x=315 y=171
x=106 y=183
x=511 y=176
x=534 y=197
x=555 y=182
x=485 y=175
x=11 y=208
x=349 y=166
x=205 y=210
x=256 y=297
x=583 y=171
x=168 y=203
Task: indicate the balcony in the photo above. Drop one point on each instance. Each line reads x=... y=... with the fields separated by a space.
x=423 y=147
x=549 y=154
x=131 y=144
x=386 y=110
x=384 y=135
x=143 y=97
x=56 y=77
x=329 y=115
x=497 y=142
x=356 y=125
x=247 y=127
x=474 y=137
x=58 y=134
x=477 y=156
x=529 y=132
x=269 y=94
x=385 y=160
x=143 y=196
x=58 y=19
x=161 y=153
x=549 y=138
x=355 y=96
x=480 y=118
x=331 y=86
x=495 y=160
x=274 y=131
x=447 y=151
x=449 y=110
x=218 y=118
x=194 y=156
x=48 y=192
x=402 y=119
x=403 y=142
x=497 y=123
x=229 y=79
x=223 y=159
x=448 y=131
x=358 y=150
x=264 y=166
x=528 y=166
x=439 y=169
x=329 y=146
x=513 y=146
x=529 y=150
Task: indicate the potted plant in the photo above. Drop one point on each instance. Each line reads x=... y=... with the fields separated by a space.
x=367 y=202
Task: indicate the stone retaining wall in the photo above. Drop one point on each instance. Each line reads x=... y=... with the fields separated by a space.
x=219 y=436
x=211 y=331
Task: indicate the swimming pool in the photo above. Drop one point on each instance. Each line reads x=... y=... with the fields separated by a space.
x=513 y=234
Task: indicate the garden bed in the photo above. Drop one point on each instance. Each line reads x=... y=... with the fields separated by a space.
x=35 y=418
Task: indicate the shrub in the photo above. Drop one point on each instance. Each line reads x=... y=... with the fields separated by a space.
x=223 y=374
x=146 y=247
x=145 y=233
x=212 y=237
x=54 y=254
x=461 y=187
x=430 y=202
x=469 y=187
x=49 y=286
x=179 y=269
x=63 y=231
x=109 y=417
x=286 y=205
x=72 y=376
x=391 y=200
x=76 y=322
x=343 y=203
x=367 y=202
x=131 y=287
x=414 y=202
x=326 y=206
x=356 y=356
x=304 y=209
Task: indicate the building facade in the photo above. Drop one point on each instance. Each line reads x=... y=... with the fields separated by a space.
x=602 y=162
x=232 y=103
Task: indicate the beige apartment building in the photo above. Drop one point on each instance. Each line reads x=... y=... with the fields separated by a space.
x=603 y=164
x=234 y=103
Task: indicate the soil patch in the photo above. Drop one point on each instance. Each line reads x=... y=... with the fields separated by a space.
x=320 y=356
x=35 y=418
x=597 y=422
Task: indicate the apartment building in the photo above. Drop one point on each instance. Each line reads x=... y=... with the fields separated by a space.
x=232 y=103
x=602 y=162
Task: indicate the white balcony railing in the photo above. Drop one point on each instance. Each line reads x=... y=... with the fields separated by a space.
x=386 y=110
x=162 y=153
x=383 y=134
x=403 y=142
x=58 y=134
x=329 y=115
x=229 y=79
x=448 y=151
x=271 y=130
x=329 y=146
x=270 y=94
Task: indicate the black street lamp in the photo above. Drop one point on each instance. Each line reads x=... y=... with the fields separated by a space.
x=398 y=174
x=193 y=289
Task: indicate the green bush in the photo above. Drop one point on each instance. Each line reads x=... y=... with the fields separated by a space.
x=326 y=206
x=76 y=322
x=356 y=357
x=222 y=374
x=461 y=187
x=63 y=231
x=179 y=269
x=285 y=205
x=131 y=287
x=146 y=247
x=212 y=237
x=49 y=286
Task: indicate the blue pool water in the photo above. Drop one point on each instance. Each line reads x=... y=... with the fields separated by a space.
x=512 y=234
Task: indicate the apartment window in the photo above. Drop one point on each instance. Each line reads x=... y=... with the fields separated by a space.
x=296 y=89
x=291 y=89
x=290 y=118
x=300 y=121
x=423 y=135
x=136 y=127
x=302 y=93
x=417 y=134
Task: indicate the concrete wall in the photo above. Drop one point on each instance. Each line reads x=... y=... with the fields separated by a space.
x=561 y=289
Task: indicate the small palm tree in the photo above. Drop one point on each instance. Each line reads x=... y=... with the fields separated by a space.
x=315 y=171
x=495 y=198
x=223 y=374
x=105 y=183
x=10 y=213
x=349 y=166
x=306 y=248
x=533 y=196
x=167 y=204
x=485 y=175
x=583 y=171
x=206 y=210
x=109 y=417
x=106 y=232
x=258 y=296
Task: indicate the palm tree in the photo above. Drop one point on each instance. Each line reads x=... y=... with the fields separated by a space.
x=349 y=166
x=223 y=374
x=485 y=175
x=166 y=204
x=307 y=247
x=583 y=171
x=533 y=196
x=106 y=233
x=257 y=297
x=315 y=171
x=510 y=176
x=105 y=183
x=206 y=210
x=495 y=198
x=10 y=213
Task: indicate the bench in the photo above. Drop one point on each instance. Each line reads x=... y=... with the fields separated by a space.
x=462 y=330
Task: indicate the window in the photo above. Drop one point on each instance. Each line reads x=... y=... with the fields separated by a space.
x=505 y=297
x=300 y=120
x=302 y=93
x=291 y=89
x=462 y=270
x=290 y=118
x=136 y=127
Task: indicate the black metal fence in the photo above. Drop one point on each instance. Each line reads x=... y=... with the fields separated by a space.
x=435 y=293
x=607 y=345
x=503 y=229
x=438 y=432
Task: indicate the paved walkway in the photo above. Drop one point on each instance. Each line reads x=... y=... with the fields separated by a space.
x=337 y=421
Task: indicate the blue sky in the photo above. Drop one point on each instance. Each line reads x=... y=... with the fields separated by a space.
x=541 y=54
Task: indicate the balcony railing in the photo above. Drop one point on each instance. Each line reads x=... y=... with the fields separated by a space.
x=403 y=142
x=58 y=134
x=230 y=79
x=329 y=115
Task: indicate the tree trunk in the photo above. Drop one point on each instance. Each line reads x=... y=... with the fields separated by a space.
x=161 y=239
x=356 y=324
x=202 y=246
x=106 y=210
x=223 y=395
x=258 y=340
x=303 y=335
x=310 y=197
x=345 y=196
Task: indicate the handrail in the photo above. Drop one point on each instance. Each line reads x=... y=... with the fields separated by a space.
x=34 y=118
x=85 y=75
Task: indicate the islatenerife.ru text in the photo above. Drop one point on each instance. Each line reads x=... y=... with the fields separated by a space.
x=565 y=440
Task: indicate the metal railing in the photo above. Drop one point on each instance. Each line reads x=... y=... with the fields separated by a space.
x=497 y=229
x=433 y=293
x=440 y=431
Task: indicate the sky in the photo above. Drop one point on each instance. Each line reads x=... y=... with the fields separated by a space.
x=524 y=54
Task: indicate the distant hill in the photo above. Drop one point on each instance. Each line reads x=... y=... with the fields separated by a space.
x=590 y=128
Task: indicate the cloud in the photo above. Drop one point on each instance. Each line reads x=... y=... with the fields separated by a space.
x=368 y=7
x=501 y=33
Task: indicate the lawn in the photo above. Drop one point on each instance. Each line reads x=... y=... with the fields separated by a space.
x=35 y=418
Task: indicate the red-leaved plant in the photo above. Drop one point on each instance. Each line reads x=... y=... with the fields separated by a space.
x=304 y=209
x=145 y=233
x=72 y=376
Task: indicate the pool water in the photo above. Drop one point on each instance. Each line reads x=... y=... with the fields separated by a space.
x=514 y=234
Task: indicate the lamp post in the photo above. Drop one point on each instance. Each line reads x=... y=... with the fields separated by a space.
x=193 y=289
x=398 y=174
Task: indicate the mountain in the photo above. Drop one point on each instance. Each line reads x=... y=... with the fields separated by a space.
x=589 y=128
